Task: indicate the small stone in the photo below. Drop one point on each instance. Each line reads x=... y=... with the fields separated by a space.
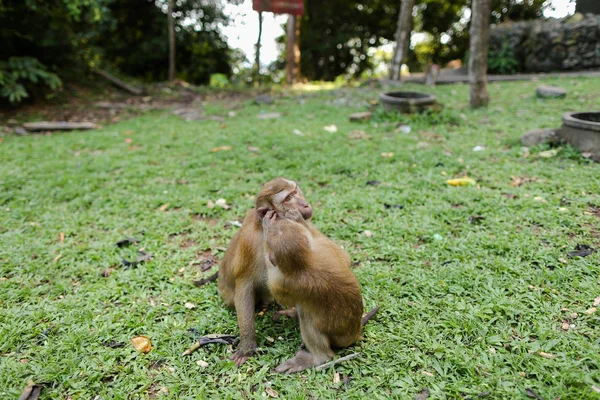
x=360 y=116
x=202 y=363
x=19 y=131
x=550 y=92
x=263 y=99
x=539 y=136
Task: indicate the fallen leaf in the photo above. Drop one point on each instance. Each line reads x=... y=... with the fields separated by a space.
x=253 y=149
x=222 y=203
x=540 y=199
x=591 y=311
x=272 y=115
x=58 y=257
x=127 y=241
x=231 y=114
x=479 y=148
x=565 y=326
x=368 y=233
x=221 y=148
x=548 y=153
x=597 y=302
x=141 y=343
x=464 y=181
x=596 y=388
x=31 y=391
x=336 y=378
x=423 y=394
x=547 y=355
x=387 y=155
x=427 y=373
x=272 y=393
x=404 y=129
x=331 y=128
x=189 y=305
x=530 y=393
x=358 y=135
x=204 y=281
x=107 y=272
x=142 y=258
x=298 y=132
x=113 y=344
x=518 y=181
x=202 y=363
x=129 y=140
x=210 y=204
x=61 y=237
x=163 y=207
x=581 y=250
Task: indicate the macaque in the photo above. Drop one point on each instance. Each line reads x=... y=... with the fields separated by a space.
x=243 y=273
x=308 y=271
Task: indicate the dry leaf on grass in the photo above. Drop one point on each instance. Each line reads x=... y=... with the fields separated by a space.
x=141 y=259
x=336 y=378
x=591 y=311
x=202 y=363
x=368 y=233
x=163 y=207
x=272 y=393
x=31 y=392
x=464 y=181
x=220 y=148
x=427 y=373
x=547 y=355
x=387 y=155
x=331 y=128
x=141 y=343
x=520 y=180
x=61 y=237
x=222 y=203
x=189 y=305
x=597 y=302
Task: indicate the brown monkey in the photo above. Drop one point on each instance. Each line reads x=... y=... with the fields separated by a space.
x=307 y=270
x=243 y=274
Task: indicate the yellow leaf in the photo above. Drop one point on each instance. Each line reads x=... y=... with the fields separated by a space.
x=141 y=343
x=547 y=355
x=164 y=207
x=220 y=148
x=272 y=393
x=464 y=181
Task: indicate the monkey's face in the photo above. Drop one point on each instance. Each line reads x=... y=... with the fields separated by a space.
x=282 y=196
x=292 y=198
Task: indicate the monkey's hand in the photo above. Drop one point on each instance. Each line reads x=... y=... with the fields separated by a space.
x=294 y=214
x=268 y=220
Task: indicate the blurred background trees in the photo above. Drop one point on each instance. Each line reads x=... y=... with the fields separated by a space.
x=45 y=42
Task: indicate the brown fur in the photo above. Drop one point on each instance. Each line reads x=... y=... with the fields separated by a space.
x=307 y=270
x=242 y=274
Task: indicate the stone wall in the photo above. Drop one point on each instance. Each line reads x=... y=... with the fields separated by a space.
x=552 y=45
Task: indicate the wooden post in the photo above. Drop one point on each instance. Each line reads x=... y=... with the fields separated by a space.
x=403 y=29
x=171 y=42
x=290 y=49
x=297 y=54
x=257 y=60
x=478 y=59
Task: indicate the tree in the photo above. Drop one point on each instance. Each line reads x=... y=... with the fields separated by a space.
x=171 y=41
x=480 y=26
x=403 y=28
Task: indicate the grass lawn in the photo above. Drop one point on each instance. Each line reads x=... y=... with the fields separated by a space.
x=490 y=306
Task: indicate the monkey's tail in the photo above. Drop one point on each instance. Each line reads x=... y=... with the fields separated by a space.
x=367 y=317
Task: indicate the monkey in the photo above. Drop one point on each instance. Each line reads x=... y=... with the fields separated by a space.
x=242 y=279
x=308 y=271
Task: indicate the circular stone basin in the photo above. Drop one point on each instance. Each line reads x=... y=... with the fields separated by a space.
x=406 y=102
x=582 y=130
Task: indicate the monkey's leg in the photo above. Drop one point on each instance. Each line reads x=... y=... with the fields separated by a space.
x=318 y=345
x=244 y=307
x=290 y=313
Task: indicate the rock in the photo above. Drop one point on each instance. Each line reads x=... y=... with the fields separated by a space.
x=550 y=92
x=361 y=116
x=20 y=131
x=539 y=136
x=263 y=99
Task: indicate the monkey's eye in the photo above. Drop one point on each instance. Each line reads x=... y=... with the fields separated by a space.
x=288 y=198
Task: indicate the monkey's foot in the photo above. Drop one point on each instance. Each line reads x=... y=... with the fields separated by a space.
x=243 y=354
x=290 y=313
x=300 y=362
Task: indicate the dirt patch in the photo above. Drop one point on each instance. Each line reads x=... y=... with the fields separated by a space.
x=206 y=220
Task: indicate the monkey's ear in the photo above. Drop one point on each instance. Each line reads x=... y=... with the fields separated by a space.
x=261 y=211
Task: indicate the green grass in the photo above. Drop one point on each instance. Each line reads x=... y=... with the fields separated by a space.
x=466 y=307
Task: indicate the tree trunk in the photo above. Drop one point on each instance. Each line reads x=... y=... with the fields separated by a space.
x=291 y=49
x=171 y=42
x=478 y=59
x=257 y=60
x=403 y=28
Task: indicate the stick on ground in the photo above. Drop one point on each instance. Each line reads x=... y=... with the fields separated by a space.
x=339 y=360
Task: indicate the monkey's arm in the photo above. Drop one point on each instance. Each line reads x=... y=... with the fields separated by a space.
x=289 y=245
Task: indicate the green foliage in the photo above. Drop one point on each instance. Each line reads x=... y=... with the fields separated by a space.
x=19 y=73
x=218 y=81
x=503 y=60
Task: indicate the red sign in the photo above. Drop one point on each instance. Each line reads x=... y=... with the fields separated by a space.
x=294 y=7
